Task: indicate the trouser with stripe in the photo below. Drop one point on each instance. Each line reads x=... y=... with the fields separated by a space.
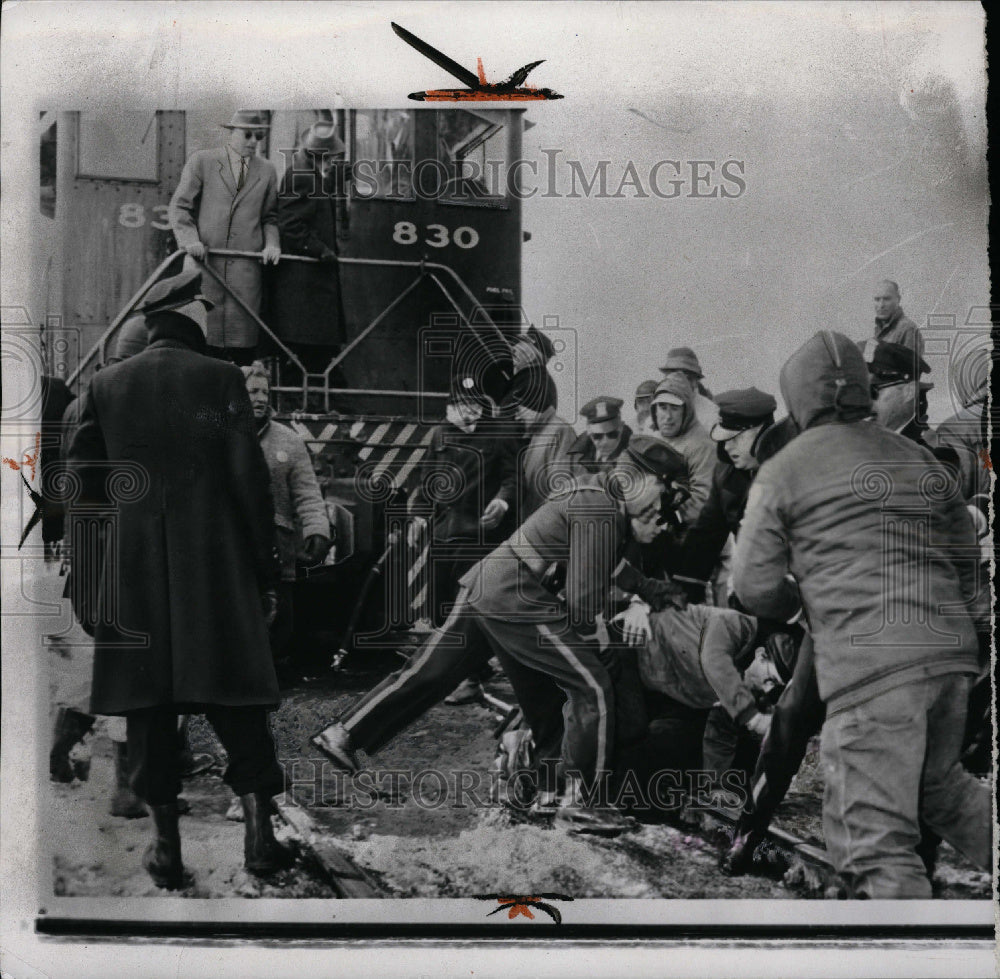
x=449 y=562
x=548 y=665
x=450 y=653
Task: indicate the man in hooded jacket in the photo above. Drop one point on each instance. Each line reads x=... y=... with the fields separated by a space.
x=845 y=521
x=677 y=424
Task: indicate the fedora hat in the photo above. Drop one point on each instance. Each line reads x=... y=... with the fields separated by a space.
x=321 y=137
x=247 y=119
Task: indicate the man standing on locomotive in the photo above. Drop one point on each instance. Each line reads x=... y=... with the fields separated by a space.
x=306 y=309
x=228 y=198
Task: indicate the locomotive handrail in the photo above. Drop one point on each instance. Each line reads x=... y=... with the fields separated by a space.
x=424 y=268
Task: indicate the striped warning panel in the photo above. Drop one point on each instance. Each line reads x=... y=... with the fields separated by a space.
x=393 y=448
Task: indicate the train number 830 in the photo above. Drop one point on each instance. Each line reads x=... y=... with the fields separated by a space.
x=438 y=236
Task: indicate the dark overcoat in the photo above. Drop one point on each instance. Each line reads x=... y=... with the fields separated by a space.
x=194 y=528
x=305 y=302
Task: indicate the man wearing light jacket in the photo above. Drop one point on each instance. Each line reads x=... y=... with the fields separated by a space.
x=845 y=520
x=673 y=411
x=299 y=511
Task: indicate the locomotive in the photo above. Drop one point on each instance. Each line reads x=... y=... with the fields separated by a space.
x=429 y=243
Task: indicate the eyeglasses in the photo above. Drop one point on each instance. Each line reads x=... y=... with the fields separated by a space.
x=609 y=436
x=257 y=134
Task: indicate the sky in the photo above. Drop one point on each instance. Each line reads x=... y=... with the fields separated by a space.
x=859 y=130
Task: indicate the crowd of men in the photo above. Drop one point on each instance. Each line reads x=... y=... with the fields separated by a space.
x=706 y=600
x=700 y=594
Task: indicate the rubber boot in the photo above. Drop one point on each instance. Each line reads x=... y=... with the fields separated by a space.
x=71 y=726
x=162 y=858
x=263 y=853
x=124 y=803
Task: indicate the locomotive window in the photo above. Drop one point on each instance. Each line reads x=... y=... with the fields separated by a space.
x=117 y=146
x=473 y=148
x=383 y=153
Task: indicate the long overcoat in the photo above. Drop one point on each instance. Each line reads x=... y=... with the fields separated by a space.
x=206 y=207
x=305 y=296
x=194 y=530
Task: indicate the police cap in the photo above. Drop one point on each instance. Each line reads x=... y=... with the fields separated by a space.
x=742 y=409
x=890 y=363
x=602 y=410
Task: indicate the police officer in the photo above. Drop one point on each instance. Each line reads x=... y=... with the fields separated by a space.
x=557 y=674
x=508 y=598
x=899 y=401
x=744 y=416
x=606 y=436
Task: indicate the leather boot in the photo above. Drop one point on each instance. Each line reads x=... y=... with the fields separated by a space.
x=71 y=726
x=124 y=802
x=162 y=858
x=263 y=853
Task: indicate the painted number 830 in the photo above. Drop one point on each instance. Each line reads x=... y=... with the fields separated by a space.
x=438 y=236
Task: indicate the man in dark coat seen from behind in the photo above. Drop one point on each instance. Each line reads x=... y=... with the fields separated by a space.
x=182 y=624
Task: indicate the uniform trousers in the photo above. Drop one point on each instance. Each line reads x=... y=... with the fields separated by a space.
x=153 y=751
x=564 y=689
x=450 y=653
x=449 y=562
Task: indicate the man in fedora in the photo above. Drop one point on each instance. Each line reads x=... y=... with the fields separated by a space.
x=179 y=620
x=306 y=309
x=228 y=198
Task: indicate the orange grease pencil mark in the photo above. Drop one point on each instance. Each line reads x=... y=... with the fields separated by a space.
x=519 y=906
x=984 y=455
x=30 y=460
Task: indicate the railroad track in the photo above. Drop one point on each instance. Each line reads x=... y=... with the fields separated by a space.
x=778 y=853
